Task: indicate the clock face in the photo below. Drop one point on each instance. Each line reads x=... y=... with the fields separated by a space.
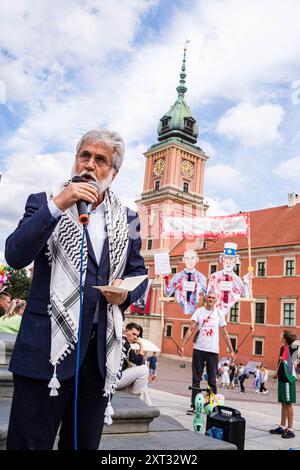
x=187 y=168
x=159 y=166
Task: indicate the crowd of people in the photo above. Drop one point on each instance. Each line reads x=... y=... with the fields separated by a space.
x=232 y=374
x=11 y=311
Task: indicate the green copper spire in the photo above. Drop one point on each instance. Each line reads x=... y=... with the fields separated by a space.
x=181 y=87
x=179 y=123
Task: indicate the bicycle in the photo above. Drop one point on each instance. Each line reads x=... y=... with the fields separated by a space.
x=205 y=405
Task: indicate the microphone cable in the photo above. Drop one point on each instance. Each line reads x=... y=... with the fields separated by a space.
x=84 y=231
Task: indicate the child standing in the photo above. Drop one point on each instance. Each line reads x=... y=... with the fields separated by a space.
x=263 y=379
x=256 y=380
x=286 y=385
x=225 y=380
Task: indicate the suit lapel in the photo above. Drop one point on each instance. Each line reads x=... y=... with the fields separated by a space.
x=90 y=248
x=105 y=254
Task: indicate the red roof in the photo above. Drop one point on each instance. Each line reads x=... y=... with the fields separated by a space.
x=276 y=226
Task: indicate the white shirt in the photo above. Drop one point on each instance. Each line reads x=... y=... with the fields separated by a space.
x=209 y=322
x=96 y=230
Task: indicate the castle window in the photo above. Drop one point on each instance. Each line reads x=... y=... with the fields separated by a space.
x=260 y=310
x=165 y=122
x=188 y=123
x=234 y=313
x=185 y=187
x=258 y=346
x=157 y=185
x=168 y=330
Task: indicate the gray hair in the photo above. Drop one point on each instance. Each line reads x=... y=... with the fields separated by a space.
x=110 y=138
x=190 y=251
x=211 y=291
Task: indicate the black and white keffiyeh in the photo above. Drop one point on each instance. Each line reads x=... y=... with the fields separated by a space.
x=64 y=247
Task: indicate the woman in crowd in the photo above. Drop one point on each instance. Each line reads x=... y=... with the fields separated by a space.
x=10 y=322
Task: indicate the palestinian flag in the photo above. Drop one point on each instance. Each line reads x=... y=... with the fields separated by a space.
x=288 y=364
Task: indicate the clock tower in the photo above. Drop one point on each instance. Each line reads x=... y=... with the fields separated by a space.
x=174 y=174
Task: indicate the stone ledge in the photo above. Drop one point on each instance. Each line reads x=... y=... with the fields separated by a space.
x=172 y=440
x=5 y=405
x=7 y=344
x=132 y=415
x=6 y=383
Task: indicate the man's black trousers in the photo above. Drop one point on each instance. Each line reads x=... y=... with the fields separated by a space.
x=35 y=416
x=199 y=359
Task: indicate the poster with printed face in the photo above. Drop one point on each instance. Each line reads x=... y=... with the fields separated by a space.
x=227 y=285
x=189 y=285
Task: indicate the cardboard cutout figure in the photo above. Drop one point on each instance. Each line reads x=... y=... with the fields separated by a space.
x=189 y=285
x=228 y=286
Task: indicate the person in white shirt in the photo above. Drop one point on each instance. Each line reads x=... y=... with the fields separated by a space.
x=225 y=380
x=208 y=320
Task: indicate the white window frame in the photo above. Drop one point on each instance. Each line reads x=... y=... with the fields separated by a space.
x=258 y=338
x=209 y=268
x=288 y=301
x=183 y=326
x=171 y=325
x=149 y=249
x=236 y=341
x=261 y=301
x=239 y=315
x=262 y=260
x=289 y=258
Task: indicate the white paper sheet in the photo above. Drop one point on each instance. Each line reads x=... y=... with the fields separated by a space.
x=127 y=285
x=162 y=263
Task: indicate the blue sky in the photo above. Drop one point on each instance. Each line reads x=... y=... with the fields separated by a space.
x=77 y=65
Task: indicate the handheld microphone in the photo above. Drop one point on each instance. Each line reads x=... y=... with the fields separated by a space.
x=84 y=208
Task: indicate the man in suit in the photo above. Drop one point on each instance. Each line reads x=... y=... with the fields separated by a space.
x=50 y=235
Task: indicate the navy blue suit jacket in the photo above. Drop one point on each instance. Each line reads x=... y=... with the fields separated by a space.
x=28 y=243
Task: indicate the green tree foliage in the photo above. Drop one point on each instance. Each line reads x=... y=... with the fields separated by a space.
x=19 y=284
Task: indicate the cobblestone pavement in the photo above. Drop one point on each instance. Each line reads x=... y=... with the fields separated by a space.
x=262 y=412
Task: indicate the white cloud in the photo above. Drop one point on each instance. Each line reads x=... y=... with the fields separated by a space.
x=218 y=207
x=208 y=148
x=71 y=66
x=254 y=126
x=28 y=174
x=223 y=179
x=289 y=170
x=128 y=188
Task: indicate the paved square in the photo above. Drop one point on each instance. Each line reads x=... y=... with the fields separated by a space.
x=262 y=412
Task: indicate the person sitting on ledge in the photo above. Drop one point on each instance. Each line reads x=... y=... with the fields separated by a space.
x=134 y=370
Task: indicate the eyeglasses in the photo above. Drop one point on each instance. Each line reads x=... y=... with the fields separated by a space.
x=99 y=160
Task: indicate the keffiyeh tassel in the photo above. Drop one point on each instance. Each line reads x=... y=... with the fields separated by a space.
x=54 y=384
x=109 y=412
